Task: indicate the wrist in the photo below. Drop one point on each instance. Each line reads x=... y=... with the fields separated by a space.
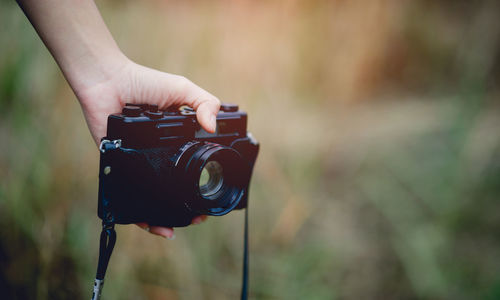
x=93 y=68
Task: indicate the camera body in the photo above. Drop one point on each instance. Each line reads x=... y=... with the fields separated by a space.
x=162 y=168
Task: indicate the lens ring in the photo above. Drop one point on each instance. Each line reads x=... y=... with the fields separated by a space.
x=216 y=196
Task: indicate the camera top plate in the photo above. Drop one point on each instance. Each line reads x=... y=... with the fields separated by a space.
x=145 y=126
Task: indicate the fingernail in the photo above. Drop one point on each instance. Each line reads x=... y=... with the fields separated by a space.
x=172 y=237
x=213 y=123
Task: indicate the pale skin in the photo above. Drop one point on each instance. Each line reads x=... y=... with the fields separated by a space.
x=103 y=78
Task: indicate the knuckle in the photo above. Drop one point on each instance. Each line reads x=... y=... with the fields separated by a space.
x=187 y=87
x=183 y=83
x=211 y=103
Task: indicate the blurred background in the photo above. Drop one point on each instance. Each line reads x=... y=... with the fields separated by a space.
x=379 y=170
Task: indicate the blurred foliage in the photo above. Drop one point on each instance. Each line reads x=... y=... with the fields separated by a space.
x=379 y=171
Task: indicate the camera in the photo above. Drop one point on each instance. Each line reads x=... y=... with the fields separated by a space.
x=162 y=168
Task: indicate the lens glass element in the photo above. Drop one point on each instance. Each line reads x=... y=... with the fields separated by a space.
x=211 y=179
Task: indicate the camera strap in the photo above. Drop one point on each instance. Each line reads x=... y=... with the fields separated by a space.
x=244 y=284
x=108 y=234
x=106 y=245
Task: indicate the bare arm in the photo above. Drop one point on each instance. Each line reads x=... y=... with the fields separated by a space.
x=77 y=37
x=102 y=77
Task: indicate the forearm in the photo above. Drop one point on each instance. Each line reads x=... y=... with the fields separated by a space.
x=77 y=38
x=102 y=78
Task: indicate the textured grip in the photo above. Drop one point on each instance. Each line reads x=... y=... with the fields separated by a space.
x=133 y=185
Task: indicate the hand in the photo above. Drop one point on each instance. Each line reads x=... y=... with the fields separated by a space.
x=102 y=77
x=132 y=83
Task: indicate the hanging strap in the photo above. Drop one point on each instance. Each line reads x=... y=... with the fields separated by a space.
x=244 y=284
x=106 y=245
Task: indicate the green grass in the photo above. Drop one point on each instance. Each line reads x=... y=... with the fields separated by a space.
x=379 y=170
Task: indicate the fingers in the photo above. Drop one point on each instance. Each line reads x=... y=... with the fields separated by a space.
x=206 y=113
x=206 y=105
x=165 y=232
x=150 y=86
x=168 y=232
x=144 y=226
x=199 y=219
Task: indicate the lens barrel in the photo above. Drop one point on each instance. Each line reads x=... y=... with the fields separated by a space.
x=211 y=176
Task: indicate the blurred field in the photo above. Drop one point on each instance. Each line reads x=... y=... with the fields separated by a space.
x=379 y=170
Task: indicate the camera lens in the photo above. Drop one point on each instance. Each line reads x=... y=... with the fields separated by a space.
x=211 y=179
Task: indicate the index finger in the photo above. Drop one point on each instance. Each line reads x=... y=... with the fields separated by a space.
x=206 y=113
x=206 y=105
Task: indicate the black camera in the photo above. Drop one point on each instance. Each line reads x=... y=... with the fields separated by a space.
x=162 y=168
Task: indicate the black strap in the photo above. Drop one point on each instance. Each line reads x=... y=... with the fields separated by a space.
x=244 y=285
x=106 y=245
